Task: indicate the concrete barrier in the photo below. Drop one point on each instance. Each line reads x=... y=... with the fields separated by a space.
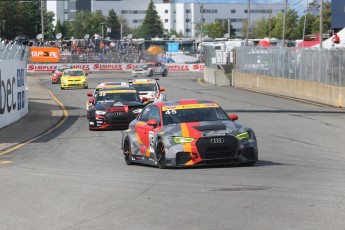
x=215 y=77
x=300 y=89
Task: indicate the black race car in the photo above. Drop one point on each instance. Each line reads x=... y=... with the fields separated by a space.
x=115 y=108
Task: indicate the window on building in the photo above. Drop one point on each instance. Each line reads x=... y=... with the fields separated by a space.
x=188 y=11
x=166 y=11
x=188 y=20
x=166 y=1
x=233 y=11
x=188 y=30
x=166 y=20
x=210 y=11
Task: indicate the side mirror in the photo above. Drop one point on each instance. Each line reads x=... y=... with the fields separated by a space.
x=161 y=89
x=144 y=99
x=92 y=101
x=89 y=94
x=233 y=117
x=152 y=122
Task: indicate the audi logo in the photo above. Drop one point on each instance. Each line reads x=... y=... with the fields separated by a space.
x=119 y=113
x=217 y=140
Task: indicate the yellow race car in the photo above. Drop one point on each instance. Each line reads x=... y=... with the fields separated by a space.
x=74 y=78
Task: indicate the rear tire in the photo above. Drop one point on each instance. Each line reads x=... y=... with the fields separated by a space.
x=160 y=155
x=127 y=152
x=165 y=73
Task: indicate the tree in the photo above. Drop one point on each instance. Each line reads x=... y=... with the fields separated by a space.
x=232 y=30
x=152 y=25
x=244 y=29
x=261 y=28
x=326 y=19
x=292 y=31
x=214 y=30
x=114 y=24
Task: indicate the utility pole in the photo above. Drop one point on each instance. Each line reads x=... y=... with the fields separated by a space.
x=248 y=23
x=42 y=21
x=321 y=11
x=202 y=30
x=229 y=23
x=269 y=20
x=284 y=23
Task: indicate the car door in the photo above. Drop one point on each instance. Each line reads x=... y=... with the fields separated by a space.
x=146 y=132
x=158 y=68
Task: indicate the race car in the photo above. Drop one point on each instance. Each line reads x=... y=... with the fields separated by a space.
x=184 y=133
x=150 y=69
x=56 y=74
x=103 y=85
x=115 y=108
x=74 y=78
x=149 y=88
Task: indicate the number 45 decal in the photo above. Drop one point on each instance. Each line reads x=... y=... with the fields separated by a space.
x=170 y=112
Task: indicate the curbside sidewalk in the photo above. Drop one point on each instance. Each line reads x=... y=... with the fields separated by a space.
x=44 y=113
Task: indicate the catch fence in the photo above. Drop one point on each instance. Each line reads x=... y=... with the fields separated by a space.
x=13 y=52
x=320 y=65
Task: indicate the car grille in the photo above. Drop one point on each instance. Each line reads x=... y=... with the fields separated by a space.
x=116 y=117
x=217 y=147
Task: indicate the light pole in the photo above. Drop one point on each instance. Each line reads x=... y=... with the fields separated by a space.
x=102 y=23
x=248 y=23
x=321 y=12
x=201 y=27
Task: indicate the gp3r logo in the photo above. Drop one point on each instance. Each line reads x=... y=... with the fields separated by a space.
x=8 y=88
x=44 y=54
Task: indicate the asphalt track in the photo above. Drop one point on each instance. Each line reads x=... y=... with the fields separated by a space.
x=71 y=178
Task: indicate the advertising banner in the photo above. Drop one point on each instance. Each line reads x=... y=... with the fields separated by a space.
x=112 y=67
x=13 y=91
x=44 y=54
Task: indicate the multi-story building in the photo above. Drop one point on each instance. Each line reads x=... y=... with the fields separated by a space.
x=179 y=15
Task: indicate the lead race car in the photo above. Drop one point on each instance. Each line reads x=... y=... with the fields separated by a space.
x=114 y=108
x=187 y=133
x=149 y=69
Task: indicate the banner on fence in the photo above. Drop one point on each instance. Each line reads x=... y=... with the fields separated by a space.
x=44 y=54
x=111 y=67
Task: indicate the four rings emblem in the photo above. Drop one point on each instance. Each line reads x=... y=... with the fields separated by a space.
x=217 y=140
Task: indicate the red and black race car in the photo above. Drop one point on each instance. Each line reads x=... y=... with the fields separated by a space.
x=114 y=108
x=56 y=74
x=186 y=133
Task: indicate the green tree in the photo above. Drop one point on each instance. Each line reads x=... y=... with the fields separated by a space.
x=261 y=28
x=114 y=24
x=214 y=30
x=87 y=23
x=292 y=31
x=326 y=19
x=152 y=25
x=244 y=29
x=310 y=20
x=232 y=30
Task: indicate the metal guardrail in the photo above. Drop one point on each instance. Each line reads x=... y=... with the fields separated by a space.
x=13 y=52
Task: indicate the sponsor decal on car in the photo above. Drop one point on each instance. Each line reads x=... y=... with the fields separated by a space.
x=190 y=106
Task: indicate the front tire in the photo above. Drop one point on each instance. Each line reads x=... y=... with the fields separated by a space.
x=160 y=155
x=127 y=152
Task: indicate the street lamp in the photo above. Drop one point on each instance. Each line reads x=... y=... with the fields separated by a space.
x=201 y=27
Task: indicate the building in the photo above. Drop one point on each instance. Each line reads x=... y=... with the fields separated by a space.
x=179 y=15
x=338 y=14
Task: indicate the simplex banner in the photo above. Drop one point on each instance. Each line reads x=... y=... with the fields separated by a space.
x=110 y=67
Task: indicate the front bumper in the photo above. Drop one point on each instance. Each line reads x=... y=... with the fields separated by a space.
x=74 y=84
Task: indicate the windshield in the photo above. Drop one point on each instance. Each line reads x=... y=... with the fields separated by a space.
x=145 y=66
x=145 y=87
x=193 y=115
x=116 y=97
x=74 y=73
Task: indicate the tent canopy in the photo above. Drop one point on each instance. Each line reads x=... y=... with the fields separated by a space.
x=154 y=50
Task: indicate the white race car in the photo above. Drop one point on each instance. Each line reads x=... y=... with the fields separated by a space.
x=149 y=88
x=150 y=69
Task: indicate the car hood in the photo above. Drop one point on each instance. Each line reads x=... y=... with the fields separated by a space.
x=108 y=106
x=204 y=129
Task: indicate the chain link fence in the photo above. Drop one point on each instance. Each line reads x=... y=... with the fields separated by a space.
x=324 y=66
x=13 y=52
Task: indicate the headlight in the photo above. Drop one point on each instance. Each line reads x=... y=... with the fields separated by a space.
x=243 y=136
x=137 y=111
x=100 y=112
x=181 y=140
x=65 y=81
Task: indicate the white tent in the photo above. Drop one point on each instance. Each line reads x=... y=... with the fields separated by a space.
x=184 y=59
x=328 y=43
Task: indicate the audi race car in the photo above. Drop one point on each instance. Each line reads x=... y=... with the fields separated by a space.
x=187 y=133
x=74 y=78
x=114 y=108
x=103 y=85
x=149 y=88
x=150 y=69
x=56 y=74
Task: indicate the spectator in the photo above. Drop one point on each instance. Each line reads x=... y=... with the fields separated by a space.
x=335 y=39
